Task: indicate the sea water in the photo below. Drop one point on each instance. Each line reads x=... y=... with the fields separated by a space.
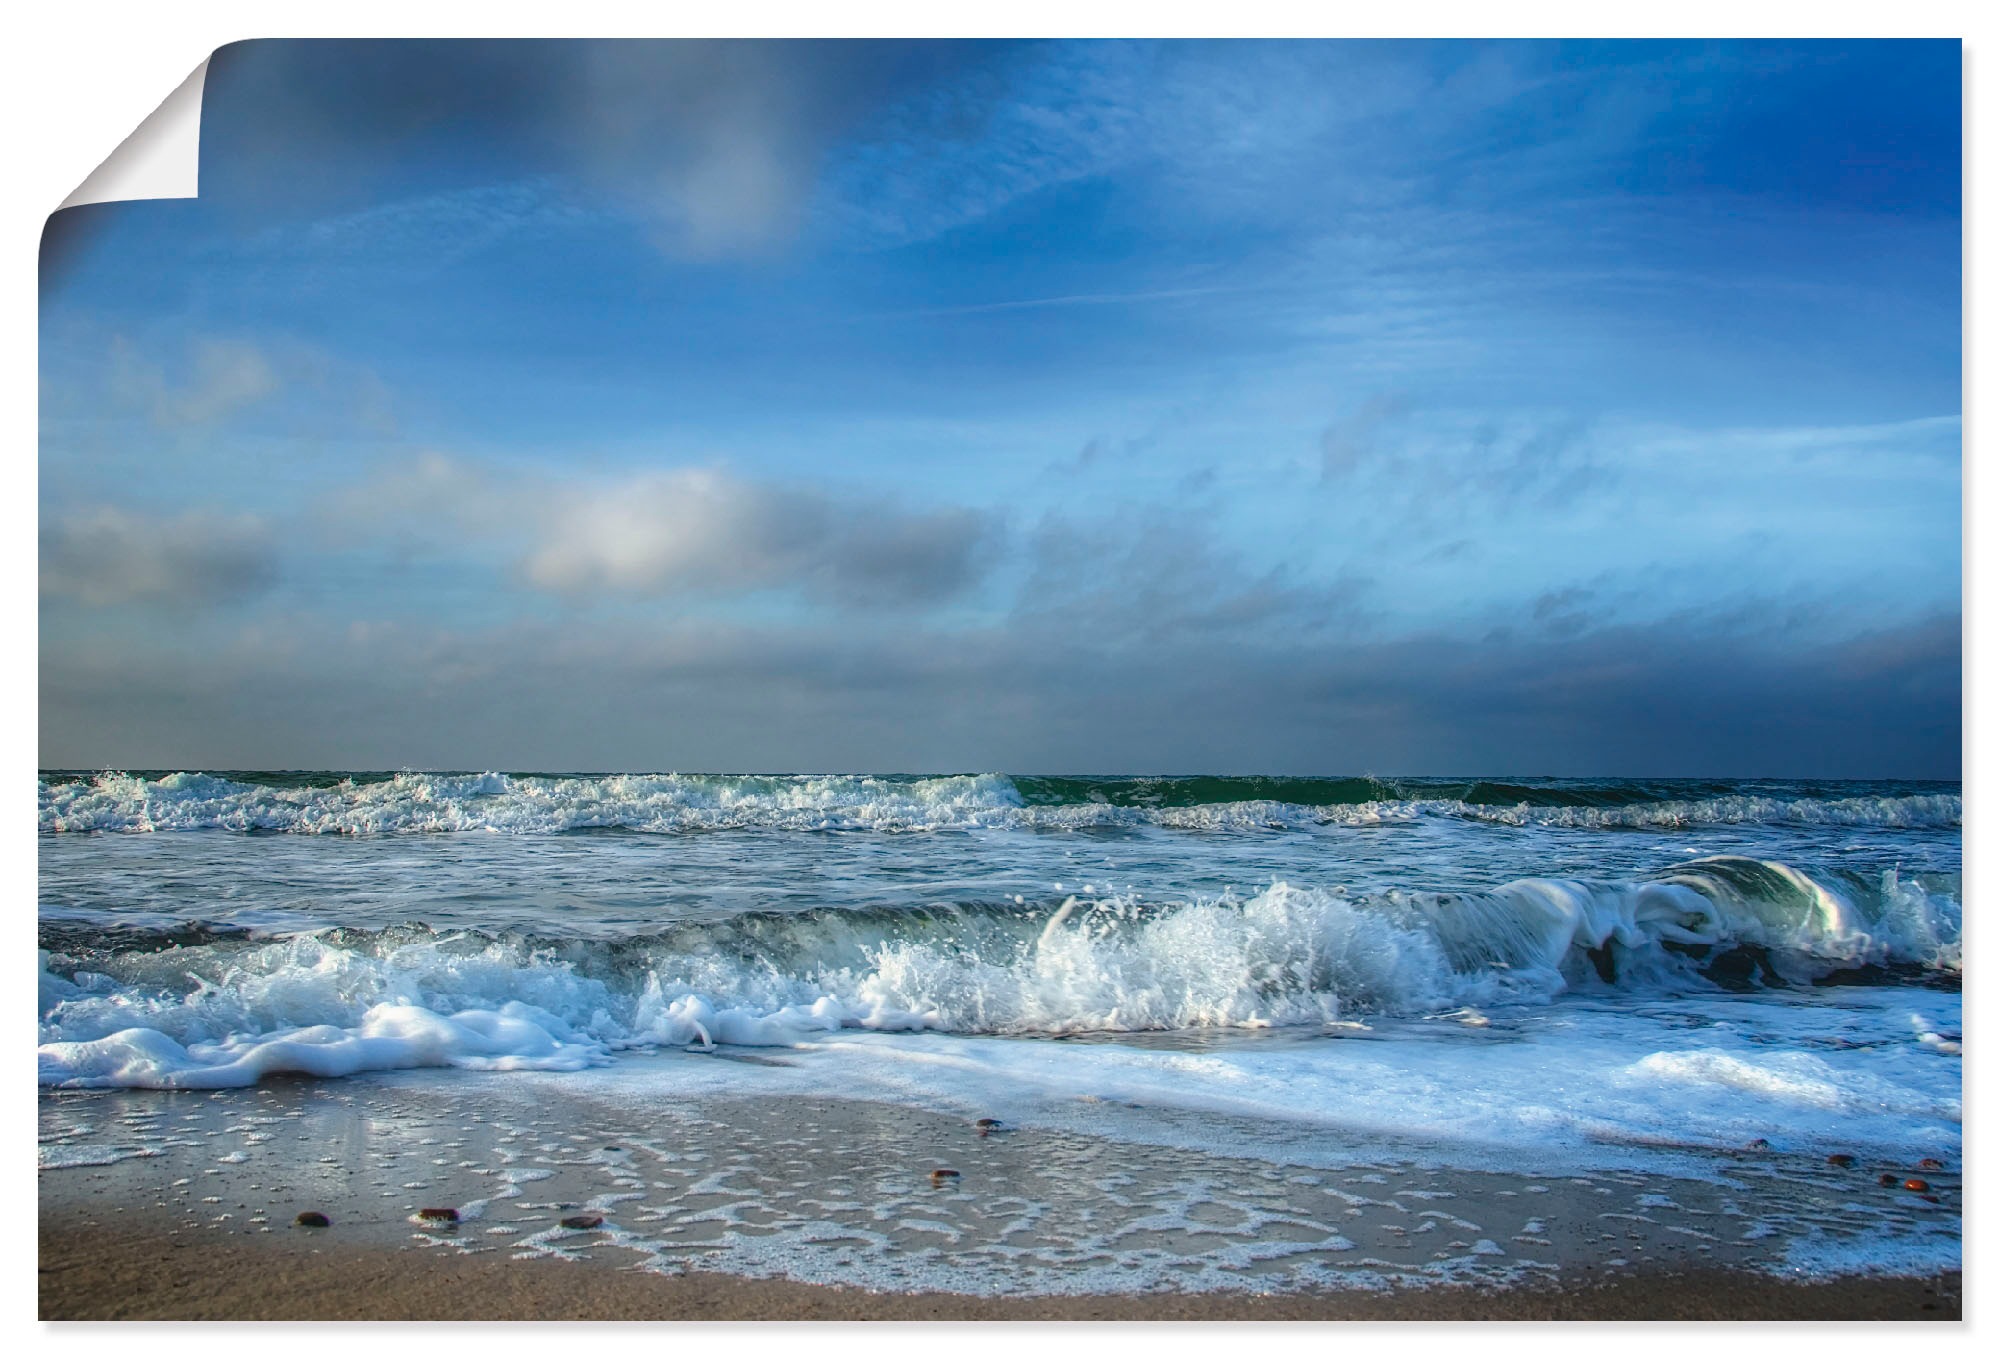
x=1534 y=975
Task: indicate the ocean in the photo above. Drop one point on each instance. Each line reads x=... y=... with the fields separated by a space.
x=1226 y=1005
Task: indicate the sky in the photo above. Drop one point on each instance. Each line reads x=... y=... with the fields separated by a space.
x=1297 y=407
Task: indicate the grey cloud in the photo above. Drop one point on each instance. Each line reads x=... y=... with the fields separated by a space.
x=717 y=144
x=108 y=556
x=1681 y=698
x=684 y=531
x=1562 y=611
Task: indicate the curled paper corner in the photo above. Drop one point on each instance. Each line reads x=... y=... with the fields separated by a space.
x=162 y=157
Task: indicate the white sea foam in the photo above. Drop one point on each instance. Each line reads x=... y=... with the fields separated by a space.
x=386 y=1038
x=1615 y=1086
x=1288 y=957
x=415 y=803
x=77 y=1155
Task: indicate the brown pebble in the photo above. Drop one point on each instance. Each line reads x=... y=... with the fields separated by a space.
x=988 y=1123
x=1930 y=1163
x=1916 y=1186
x=942 y=1176
x=312 y=1219
x=584 y=1222
x=438 y=1214
x=1885 y=1179
x=1840 y=1158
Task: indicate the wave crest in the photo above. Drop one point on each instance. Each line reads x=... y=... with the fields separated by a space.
x=231 y=1010
x=412 y=803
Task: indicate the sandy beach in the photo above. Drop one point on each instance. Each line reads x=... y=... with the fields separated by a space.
x=145 y=1271
x=183 y=1205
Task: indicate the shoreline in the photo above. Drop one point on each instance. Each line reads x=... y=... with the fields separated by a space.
x=181 y=1205
x=141 y=1271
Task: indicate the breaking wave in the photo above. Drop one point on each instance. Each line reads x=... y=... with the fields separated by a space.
x=414 y=803
x=194 y=1010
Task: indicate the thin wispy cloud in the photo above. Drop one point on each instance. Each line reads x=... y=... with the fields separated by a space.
x=1072 y=300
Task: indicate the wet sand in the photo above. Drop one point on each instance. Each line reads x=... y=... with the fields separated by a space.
x=142 y=1271
x=182 y=1205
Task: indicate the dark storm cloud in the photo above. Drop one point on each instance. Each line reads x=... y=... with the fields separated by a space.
x=716 y=143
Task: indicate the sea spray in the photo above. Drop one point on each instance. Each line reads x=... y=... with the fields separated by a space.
x=333 y=1002
x=413 y=803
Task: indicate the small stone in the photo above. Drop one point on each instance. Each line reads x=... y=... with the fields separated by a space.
x=1916 y=1186
x=1885 y=1179
x=1930 y=1163
x=438 y=1214
x=987 y=1123
x=1841 y=1159
x=584 y=1222
x=943 y=1177
x=312 y=1219
x=1759 y=1144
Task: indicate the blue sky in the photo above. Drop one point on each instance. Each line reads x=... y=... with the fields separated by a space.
x=1322 y=407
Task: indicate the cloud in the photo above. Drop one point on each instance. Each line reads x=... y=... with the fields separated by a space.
x=1150 y=574
x=216 y=379
x=703 y=531
x=1563 y=612
x=688 y=531
x=1691 y=696
x=1427 y=469
x=107 y=556
x=1350 y=443
x=715 y=145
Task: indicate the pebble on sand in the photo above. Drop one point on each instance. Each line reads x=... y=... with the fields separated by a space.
x=584 y=1222
x=989 y=1124
x=1840 y=1158
x=312 y=1219
x=1930 y=1163
x=942 y=1176
x=438 y=1214
x=1916 y=1186
x=1758 y=1144
x=1885 y=1179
